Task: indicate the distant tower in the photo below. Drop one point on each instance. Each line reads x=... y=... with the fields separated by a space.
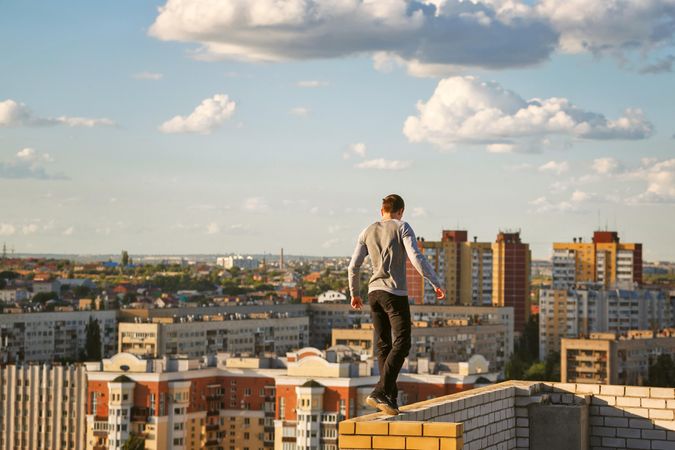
x=281 y=259
x=4 y=250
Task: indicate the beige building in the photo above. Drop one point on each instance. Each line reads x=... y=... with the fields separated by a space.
x=604 y=260
x=606 y=358
x=195 y=336
x=43 y=407
x=440 y=341
x=579 y=312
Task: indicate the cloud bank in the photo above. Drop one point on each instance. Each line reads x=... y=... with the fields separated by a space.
x=16 y=114
x=466 y=110
x=429 y=36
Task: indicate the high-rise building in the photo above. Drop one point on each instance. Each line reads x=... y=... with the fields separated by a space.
x=579 y=312
x=464 y=267
x=605 y=260
x=609 y=358
x=42 y=406
x=511 y=276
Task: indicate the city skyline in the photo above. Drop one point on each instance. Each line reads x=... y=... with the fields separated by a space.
x=172 y=128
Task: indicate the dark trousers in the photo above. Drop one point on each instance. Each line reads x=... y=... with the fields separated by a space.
x=391 y=320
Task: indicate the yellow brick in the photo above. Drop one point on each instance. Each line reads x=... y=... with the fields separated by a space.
x=452 y=443
x=405 y=428
x=352 y=441
x=372 y=428
x=442 y=429
x=421 y=443
x=346 y=427
x=389 y=442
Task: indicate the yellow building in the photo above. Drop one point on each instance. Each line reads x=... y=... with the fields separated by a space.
x=604 y=260
x=607 y=358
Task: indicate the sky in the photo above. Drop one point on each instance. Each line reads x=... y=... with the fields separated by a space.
x=220 y=126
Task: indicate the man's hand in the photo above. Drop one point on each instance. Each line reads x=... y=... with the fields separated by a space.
x=440 y=293
x=357 y=303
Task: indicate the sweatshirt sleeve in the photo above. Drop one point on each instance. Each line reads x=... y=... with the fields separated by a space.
x=419 y=262
x=360 y=253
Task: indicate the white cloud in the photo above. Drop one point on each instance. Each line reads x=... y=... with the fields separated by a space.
x=418 y=212
x=312 y=84
x=469 y=111
x=358 y=149
x=153 y=76
x=69 y=231
x=429 y=37
x=28 y=164
x=15 y=114
x=7 y=229
x=660 y=179
x=383 y=164
x=30 y=228
x=210 y=114
x=212 y=228
x=606 y=166
x=610 y=27
x=330 y=243
x=555 y=167
x=255 y=204
x=500 y=148
x=299 y=111
x=428 y=33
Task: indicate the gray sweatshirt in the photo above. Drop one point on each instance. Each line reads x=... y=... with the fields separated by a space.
x=388 y=242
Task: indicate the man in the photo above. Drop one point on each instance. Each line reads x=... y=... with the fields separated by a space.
x=388 y=242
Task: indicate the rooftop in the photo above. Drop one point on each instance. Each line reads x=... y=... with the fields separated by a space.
x=524 y=415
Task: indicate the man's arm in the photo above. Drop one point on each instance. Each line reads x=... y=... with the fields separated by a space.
x=416 y=257
x=360 y=253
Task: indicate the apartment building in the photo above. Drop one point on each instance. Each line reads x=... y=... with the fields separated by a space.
x=572 y=313
x=440 y=341
x=326 y=317
x=610 y=358
x=238 y=403
x=604 y=260
x=476 y=273
x=511 y=259
x=195 y=336
x=42 y=407
x=179 y=404
x=53 y=336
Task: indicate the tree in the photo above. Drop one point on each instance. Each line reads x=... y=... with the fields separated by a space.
x=44 y=297
x=125 y=258
x=135 y=442
x=662 y=372
x=93 y=345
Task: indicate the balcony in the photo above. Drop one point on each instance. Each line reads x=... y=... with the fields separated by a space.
x=522 y=415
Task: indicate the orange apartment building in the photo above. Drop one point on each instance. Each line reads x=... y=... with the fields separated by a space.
x=236 y=403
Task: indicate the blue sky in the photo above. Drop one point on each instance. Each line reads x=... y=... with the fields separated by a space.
x=325 y=123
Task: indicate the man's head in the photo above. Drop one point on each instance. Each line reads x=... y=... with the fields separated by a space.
x=392 y=207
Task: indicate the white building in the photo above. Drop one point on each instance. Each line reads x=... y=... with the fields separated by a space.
x=42 y=407
x=574 y=313
x=45 y=337
x=242 y=262
x=13 y=295
x=332 y=297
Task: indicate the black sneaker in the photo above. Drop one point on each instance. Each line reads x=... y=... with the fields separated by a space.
x=381 y=402
x=393 y=402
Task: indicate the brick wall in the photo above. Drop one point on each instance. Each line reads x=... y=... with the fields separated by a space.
x=496 y=417
x=400 y=435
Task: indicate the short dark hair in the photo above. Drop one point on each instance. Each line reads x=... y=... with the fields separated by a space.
x=392 y=203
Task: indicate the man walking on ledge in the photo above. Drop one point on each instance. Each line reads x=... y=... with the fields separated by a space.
x=388 y=242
